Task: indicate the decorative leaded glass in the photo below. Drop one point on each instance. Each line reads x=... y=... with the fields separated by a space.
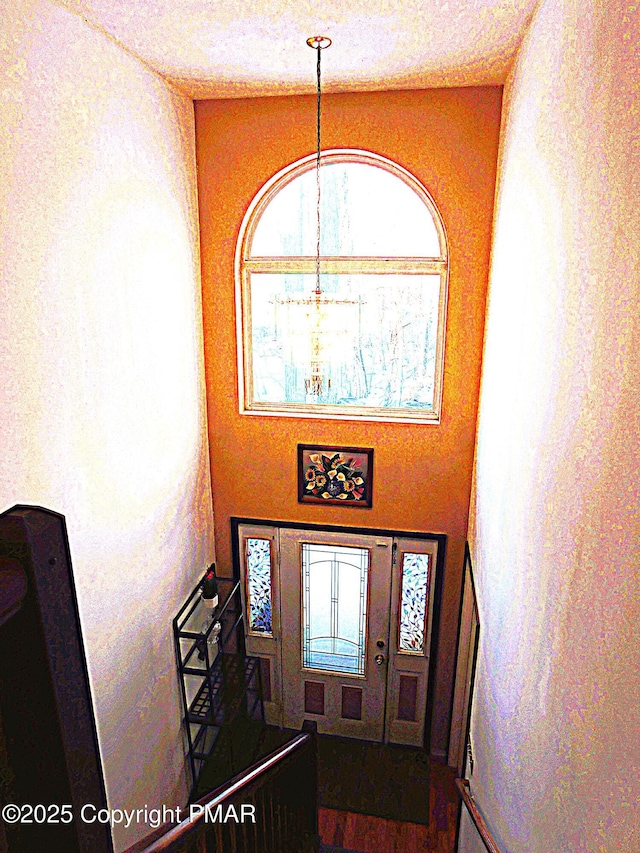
x=413 y=606
x=334 y=582
x=258 y=562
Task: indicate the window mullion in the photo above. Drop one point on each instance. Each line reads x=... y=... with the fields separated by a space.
x=346 y=265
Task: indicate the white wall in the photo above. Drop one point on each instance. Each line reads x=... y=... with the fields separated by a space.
x=555 y=516
x=102 y=400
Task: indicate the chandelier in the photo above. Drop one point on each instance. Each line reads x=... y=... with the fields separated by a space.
x=317 y=308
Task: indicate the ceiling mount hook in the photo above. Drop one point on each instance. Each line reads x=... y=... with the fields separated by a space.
x=319 y=42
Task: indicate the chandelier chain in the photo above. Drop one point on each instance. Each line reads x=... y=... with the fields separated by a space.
x=318 y=148
x=314 y=385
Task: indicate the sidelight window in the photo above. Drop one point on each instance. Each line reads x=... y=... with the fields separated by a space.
x=413 y=603
x=258 y=563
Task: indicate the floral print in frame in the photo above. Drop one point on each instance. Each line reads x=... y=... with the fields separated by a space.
x=339 y=476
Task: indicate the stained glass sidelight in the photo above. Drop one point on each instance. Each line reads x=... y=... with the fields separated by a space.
x=413 y=605
x=258 y=563
x=334 y=582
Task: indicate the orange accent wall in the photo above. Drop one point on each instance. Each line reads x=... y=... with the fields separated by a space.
x=448 y=138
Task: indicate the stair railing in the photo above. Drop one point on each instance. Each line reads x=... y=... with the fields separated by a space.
x=269 y=808
x=483 y=830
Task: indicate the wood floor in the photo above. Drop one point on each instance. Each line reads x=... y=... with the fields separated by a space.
x=376 y=835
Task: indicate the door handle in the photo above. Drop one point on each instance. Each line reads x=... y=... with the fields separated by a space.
x=379 y=659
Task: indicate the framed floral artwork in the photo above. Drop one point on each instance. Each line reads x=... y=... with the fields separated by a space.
x=342 y=476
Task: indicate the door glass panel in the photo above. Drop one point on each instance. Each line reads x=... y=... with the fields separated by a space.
x=413 y=603
x=334 y=603
x=258 y=563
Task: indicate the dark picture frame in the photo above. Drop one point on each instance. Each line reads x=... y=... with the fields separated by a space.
x=335 y=476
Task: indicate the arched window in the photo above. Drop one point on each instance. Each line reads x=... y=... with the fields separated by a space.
x=364 y=339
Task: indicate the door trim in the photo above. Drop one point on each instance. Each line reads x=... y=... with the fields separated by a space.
x=440 y=538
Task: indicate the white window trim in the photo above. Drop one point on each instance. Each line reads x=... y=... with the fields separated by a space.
x=245 y=264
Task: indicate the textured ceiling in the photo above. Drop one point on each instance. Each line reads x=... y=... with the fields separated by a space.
x=223 y=48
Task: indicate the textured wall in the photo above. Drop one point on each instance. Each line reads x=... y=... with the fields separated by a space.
x=469 y=839
x=555 y=522
x=448 y=139
x=102 y=396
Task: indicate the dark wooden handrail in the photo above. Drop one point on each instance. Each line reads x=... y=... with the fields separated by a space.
x=183 y=835
x=483 y=830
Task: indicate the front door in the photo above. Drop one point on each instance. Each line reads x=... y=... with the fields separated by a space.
x=335 y=603
x=348 y=636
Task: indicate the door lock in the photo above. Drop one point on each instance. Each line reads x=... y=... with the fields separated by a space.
x=379 y=659
x=380 y=644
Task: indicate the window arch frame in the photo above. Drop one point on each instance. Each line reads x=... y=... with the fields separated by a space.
x=245 y=264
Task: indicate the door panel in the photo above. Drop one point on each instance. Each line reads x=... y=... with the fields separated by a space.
x=335 y=605
x=259 y=572
x=412 y=596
